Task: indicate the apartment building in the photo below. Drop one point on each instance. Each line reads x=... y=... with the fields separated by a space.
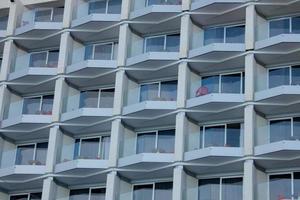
x=150 y=100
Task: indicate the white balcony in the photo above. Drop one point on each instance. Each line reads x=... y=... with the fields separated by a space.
x=39 y=22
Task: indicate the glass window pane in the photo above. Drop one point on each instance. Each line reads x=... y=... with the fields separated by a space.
x=98 y=194
x=41 y=153
x=114 y=6
x=168 y=91
x=209 y=189
x=155 y=44
x=89 y=99
x=297 y=185
x=232 y=189
x=279 y=76
x=235 y=34
x=280 y=187
x=88 y=52
x=211 y=83
x=142 y=192
x=24 y=154
x=97 y=6
x=103 y=52
x=280 y=26
x=32 y=106
x=296 y=25
x=214 y=136
x=231 y=83
x=38 y=59
x=35 y=196
x=201 y=137
x=76 y=148
x=233 y=135
x=296 y=75
x=146 y=143
x=43 y=15
x=53 y=58
x=19 y=197
x=149 y=92
x=58 y=14
x=163 y=191
x=172 y=43
x=89 y=148
x=280 y=130
x=296 y=128
x=107 y=98
x=47 y=104
x=166 y=141
x=3 y=22
x=81 y=194
x=105 y=144
x=214 y=35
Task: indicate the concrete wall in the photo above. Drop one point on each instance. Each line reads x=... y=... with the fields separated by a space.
x=67 y=151
x=8 y=154
x=128 y=143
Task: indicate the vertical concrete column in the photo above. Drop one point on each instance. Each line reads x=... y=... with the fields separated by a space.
x=185 y=33
x=250 y=74
x=179 y=177
x=183 y=84
x=120 y=86
x=112 y=186
x=3 y=99
x=180 y=135
x=59 y=97
x=68 y=13
x=126 y=8
x=14 y=11
x=64 y=52
x=54 y=148
x=249 y=180
x=4 y=196
x=249 y=129
x=250 y=29
x=49 y=189
x=8 y=55
x=124 y=35
x=186 y=4
x=116 y=131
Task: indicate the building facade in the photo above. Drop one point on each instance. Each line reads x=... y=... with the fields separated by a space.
x=150 y=100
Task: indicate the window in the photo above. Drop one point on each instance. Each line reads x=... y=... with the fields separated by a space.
x=88 y=194
x=102 y=98
x=284 y=26
x=41 y=105
x=92 y=148
x=32 y=196
x=161 y=91
x=3 y=22
x=32 y=154
x=228 y=34
x=169 y=43
x=284 y=129
x=162 y=2
x=280 y=186
x=228 y=135
x=156 y=142
x=99 y=51
x=105 y=6
x=156 y=191
x=284 y=76
x=224 y=83
x=49 y=15
x=44 y=59
x=220 y=189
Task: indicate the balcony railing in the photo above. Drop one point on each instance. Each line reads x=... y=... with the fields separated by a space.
x=88 y=193
x=31 y=154
x=92 y=148
x=284 y=76
x=224 y=83
x=162 y=43
x=31 y=196
x=159 y=91
x=163 y=2
x=156 y=142
x=158 y=191
x=228 y=34
x=286 y=25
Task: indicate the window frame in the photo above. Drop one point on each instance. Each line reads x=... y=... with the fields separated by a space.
x=34 y=150
x=101 y=44
x=41 y=102
x=90 y=190
x=277 y=119
x=148 y=183
x=99 y=94
x=281 y=67
x=106 y=7
x=281 y=173
x=47 y=56
x=43 y=9
x=158 y=36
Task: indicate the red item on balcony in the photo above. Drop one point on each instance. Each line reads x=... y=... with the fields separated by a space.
x=201 y=91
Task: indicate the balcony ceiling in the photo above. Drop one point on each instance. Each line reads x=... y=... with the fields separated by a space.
x=14 y=186
x=279 y=7
x=43 y=43
x=216 y=6
x=19 y=136
x=142 y=175
x=278 y=109
x=155 y=13
x=98 y=178
x=32 y=88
